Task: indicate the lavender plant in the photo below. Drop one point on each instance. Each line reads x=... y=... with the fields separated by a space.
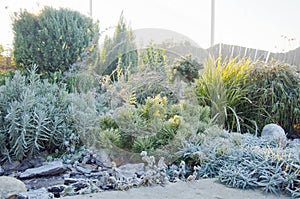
x=35 y=116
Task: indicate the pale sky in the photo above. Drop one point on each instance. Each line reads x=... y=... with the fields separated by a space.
x=262 y=24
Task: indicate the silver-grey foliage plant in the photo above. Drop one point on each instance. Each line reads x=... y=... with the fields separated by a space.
x=34 y=116
x=246 y=161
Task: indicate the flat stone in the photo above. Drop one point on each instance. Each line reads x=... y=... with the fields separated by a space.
x=41 y=193
x=49 y=169
x=10 y=186
x=128 y=170
x=40 y=182
x=83 y=170
x=10 y=167
x=71 y=180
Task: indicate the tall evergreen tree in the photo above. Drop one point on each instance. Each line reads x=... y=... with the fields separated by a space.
x=119 y=50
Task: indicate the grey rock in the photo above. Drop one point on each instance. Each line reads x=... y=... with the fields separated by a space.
x=129 y=170
x=80 y=185
x=70 y=181
x=17 y=166
x=57 y=190
x=41 y=193
x=276 y=132
x=10 y=186
x=10 y=167
x=40 y=182
x=1 y=171
x=49 y=169
x=102 y=158
x=83 y=170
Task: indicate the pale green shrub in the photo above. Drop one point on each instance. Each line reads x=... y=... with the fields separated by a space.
x=35 y=116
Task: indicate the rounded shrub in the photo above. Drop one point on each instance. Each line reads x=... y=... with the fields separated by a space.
x=53 y=39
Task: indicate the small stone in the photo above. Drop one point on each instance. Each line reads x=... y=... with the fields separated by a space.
x=80 y=185
x=102 y=158
x=41 y=193
x=129 y=170
x=1 y=171
x=83 y=170
x=70 y=181
x=93 y=175
x=10 y=186
x=276 y=132
x=49 y=169
x=57 y=190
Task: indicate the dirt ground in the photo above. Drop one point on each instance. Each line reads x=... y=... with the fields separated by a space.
x=206 y=189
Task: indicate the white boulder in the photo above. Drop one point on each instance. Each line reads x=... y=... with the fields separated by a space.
x=276 y=132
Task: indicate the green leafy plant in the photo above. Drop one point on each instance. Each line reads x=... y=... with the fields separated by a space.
x=35 y=116
x=53 y=39
x=120 y=48
x=221 y=86
x=186 y=68
x=273 y=89
x=153 y=58
x=5 y=74
x=155 y=125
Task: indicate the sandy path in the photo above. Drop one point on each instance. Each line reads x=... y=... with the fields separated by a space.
x=206 y=189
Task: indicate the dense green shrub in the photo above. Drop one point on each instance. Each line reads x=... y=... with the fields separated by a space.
x=274 y=92
x=35 y=116
x=53 y=39
x=186 y=68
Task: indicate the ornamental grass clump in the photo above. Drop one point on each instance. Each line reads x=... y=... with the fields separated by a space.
x=274 y=92
x=221 y=86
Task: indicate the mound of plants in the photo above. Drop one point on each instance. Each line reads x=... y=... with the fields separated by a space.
x=146 y=111
x=245 y=96
x=156 y=125
x=35 y=116
x=245 y=161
